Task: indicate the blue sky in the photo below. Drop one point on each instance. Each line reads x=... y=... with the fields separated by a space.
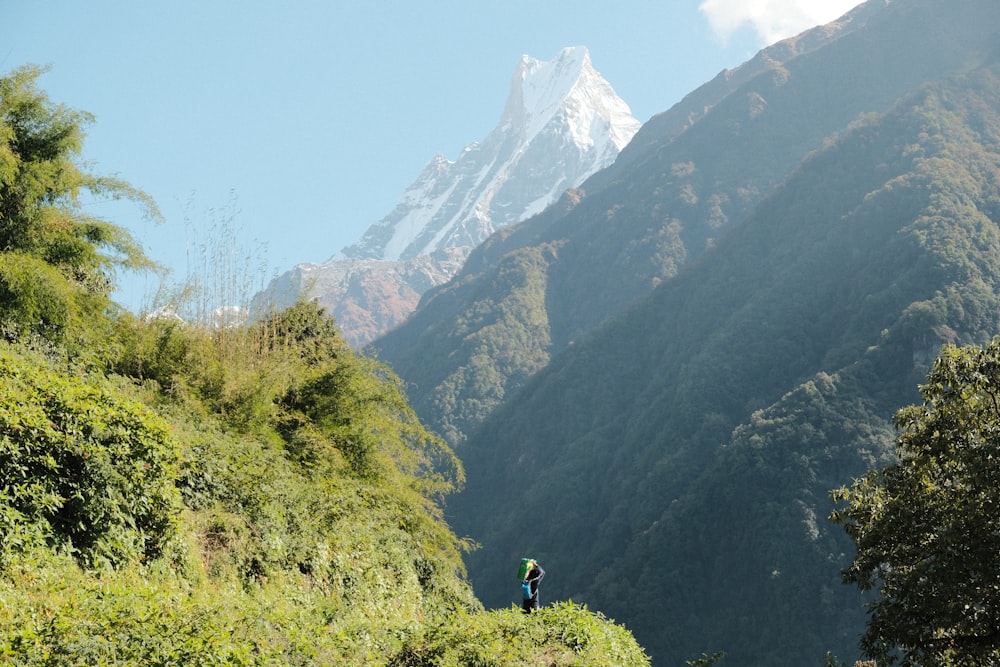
x=299 y=123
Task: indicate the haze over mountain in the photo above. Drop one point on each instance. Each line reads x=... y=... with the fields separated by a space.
x=655 y=383
x=561 y=123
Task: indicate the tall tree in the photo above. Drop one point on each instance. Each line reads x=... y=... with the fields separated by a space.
x=57 y=264
x=927 y=528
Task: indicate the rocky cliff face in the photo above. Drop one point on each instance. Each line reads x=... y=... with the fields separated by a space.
x=367 y=296
x=562 y=122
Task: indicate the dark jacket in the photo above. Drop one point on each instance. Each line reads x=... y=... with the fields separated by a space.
x=534 y=576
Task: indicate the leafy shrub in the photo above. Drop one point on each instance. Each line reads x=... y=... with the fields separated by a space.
x=90 y=469
x=561 y=634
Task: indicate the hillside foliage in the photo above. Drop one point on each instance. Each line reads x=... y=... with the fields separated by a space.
x=180 y=494
x=925 y=526
x=681 y=482
x=57 y=263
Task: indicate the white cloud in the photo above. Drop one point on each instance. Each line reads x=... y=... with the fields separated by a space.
x=772 y=20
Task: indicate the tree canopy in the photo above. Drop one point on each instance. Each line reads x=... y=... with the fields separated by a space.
x=57 y=263
x=927 y=528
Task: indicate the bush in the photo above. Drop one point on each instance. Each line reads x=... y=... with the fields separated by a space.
x=561 y=634
x=80 y=464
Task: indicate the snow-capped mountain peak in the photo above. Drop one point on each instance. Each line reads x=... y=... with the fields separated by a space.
x=538 y=88
x=518 y=169
x=569 y=83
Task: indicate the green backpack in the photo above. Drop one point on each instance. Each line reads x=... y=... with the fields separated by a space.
x=522 y=571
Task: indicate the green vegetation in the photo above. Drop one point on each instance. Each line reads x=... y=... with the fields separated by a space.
x=560 y=634
x=926 y=526
x=57 y=263
x=84 y=468
x=500 y=343
x=180 y=494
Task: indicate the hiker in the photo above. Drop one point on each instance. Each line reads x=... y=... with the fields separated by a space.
x=530 y=574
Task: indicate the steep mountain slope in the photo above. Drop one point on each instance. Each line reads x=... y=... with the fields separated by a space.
x=561 y=123
x=679 y=360
x=672 y=467
x=688 y=178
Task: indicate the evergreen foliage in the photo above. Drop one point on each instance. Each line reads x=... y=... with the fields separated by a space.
x=57 y=264
x=925 y=526
x=81 y=465
x=562 y=633
x=501 y=339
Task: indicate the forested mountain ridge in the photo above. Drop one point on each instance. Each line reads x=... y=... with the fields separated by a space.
x=661 y=379
x=674 y=465
x=690 y=175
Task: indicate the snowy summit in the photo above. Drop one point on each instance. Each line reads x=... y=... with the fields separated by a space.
x=561 y=123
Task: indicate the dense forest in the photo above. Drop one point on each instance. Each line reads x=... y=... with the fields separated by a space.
x=656 y=385
x=762 y=376
x=173 y=493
